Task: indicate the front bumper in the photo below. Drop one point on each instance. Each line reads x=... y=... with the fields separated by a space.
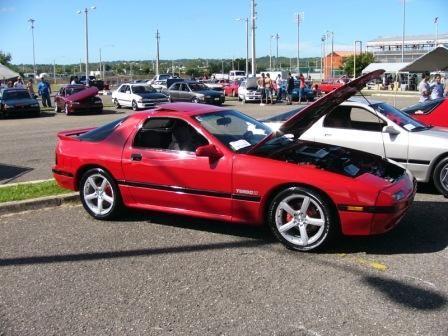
x=214 y=100
x=151 y=103
x=23 y=110
x=73 y=108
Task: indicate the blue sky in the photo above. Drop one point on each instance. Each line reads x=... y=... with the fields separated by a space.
x=201 y=28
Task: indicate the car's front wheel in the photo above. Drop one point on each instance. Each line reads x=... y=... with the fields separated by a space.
x=56 y=108
x=134 y=106
x=440 y=176
x=116 y=103
x=99 y=194
x=195 y=100
x=66 y=111
x=301 y=219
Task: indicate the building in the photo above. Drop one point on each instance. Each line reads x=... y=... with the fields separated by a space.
x=388 y=49
x=335 y=62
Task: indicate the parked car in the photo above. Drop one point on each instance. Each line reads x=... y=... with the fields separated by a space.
x=248 y=91
x=137 y=96
x=308 y=93
x=220 y=164
x=215 y=84
x=161 y=77
x=331 y=84
x=15 y=101
x=231 y=89
x=77 y=98
x=431 y=112
x=379 y=128
x=98 y=83
x=191 y=91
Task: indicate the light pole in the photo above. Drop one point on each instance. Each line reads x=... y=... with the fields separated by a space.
x=322 y=59
x=436 y=22
x=404 y=26
x=330 y=33
x=299 y=18
x=253 y=18
x=247 y=43
x=102 y=67
x=86 y=12
x=158 y=54
x=354 y=56
x=54 y=71
x=31 y=20
x=270 y=51
x=276 y=57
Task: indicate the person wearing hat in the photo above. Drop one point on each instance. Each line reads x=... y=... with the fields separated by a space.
x=19 y=83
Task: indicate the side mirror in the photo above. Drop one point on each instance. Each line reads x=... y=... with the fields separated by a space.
x=209 y=151
x=390 y=130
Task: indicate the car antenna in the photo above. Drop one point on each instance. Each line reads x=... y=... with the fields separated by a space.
x=382 y=138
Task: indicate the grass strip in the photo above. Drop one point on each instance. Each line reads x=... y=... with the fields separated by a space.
x=30 y=190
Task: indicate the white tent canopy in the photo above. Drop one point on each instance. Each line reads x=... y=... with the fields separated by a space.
x=434 y=60
x=7 y=73
x=388 y=67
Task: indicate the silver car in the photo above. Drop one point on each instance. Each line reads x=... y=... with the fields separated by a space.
x=380 y=128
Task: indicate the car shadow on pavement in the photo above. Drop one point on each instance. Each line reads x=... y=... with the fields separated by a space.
x=424 y=229
x=9 y=173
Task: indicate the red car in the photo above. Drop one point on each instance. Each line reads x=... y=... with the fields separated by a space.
x=431 y=112
x=220 y=164
x=332 y=84
x=231 y=89
x=78 y=98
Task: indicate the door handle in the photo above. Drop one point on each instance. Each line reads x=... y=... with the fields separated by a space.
x=328 y=134
x=136 y=157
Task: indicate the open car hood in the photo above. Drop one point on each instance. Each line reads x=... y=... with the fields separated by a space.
x=306 y=117
x=81 y=95
x=251 y=83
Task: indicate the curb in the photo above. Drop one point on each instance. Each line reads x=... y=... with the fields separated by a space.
x=37 y=203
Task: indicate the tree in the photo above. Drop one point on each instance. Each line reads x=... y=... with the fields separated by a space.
x=5 y=58
x=362 y=61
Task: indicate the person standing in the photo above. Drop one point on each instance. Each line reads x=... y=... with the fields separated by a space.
x=261 y=88
x=19 y=83
x=424 y=88
x=301 y=87
x=289 y=89
x=436 y=87
x=44 y=91
x=268 y=88
x=278 y=82
x=30 y=88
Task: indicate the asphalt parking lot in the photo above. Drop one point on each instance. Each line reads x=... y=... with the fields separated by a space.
x=63 y=273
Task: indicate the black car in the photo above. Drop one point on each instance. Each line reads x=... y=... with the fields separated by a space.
x=191 y=91
x=14 y=101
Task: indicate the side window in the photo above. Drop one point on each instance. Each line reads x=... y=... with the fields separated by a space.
x=175 y=87
x=364 y=120
x=184 y=87
x=168 y=134
x=123 y=88
x=338 y=118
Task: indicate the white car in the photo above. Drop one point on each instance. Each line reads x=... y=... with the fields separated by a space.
x=248 y=91
x=380 y=128
x=137 y=96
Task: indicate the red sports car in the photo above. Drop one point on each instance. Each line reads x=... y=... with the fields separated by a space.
x=216 y=163
x=431 y=112
x=231 y=89
x=78 y=98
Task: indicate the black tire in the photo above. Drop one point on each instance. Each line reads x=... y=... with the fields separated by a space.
x=317 y=211
x=195 y=100
x=56 y=108
x=116 y=103
x=134 y=106
x=117 y=207
x=37 y=114
x=440 y=176
x=66 y=109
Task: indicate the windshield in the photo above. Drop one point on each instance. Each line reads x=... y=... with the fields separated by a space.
x=143 y=89
x=398 y=117
x=423 y=107
x=198 y=87
x=16 y=94
x=164 y=77
x=235 y=130
x=70 y=91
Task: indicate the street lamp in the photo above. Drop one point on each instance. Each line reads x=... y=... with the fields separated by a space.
x=253 y=18
x=158 y=54
x=86 y=11
x=247 y=42
x=270 y=51
x=299 y=17
x=404 y=26
x=276 y=57
x=354 y=56
x=31 y=20
x=322 y=58
x=331 y=34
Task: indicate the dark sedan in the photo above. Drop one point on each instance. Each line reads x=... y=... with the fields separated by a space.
x=15 y=101
x=194 y=92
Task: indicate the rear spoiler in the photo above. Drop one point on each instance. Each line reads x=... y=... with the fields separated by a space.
x=69 y=135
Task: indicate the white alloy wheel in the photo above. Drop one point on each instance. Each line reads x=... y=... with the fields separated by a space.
x=98 y=194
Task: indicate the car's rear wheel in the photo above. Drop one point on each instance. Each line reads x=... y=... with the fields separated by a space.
x=116 y=103
x=301 y=219
x=134 y=106
x=440 y=176
x=99 y=194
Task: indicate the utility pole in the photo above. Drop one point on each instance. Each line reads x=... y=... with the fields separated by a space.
x=322 y=59
x=158 y=54
x=86 y=12
x=330 y=33
x=404 y=25
x=436 y=22
x=253 y=18
x=247 y=46
x=30 y=20
x=54 y=71
x=101 y=67
x=270 y=51
x=276 y=57
x=299 y=18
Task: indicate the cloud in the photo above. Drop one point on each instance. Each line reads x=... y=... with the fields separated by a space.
x=7 y=9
